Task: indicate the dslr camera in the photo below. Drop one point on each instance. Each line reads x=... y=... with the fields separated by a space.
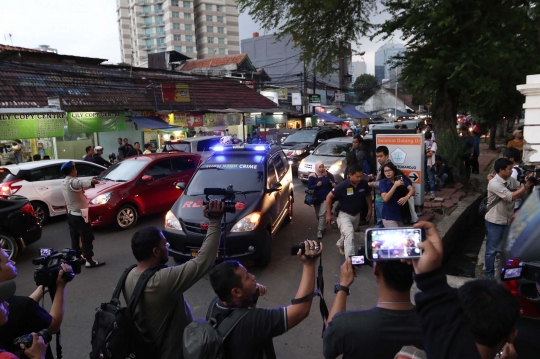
x=524 y=171
x=27 y=339
x=49 y=266
x=227 y=197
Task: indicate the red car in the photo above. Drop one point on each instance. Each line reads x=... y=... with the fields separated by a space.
x=139 y=186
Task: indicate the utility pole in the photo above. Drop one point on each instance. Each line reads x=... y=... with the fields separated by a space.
x=314 y=88
x=395 y=109
x=305 y=97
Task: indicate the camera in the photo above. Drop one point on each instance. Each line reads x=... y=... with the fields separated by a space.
x=227 y=197
x=27 y=339
x=398 y=178
x=49 y=266
x=524 y=171
x=360 y=259
x=296 y=247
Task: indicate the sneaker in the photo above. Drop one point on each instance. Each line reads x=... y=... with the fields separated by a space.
x=319 y=235
x=92 y=263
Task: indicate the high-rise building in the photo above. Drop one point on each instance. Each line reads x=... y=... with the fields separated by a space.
x=358 y=68
x=196 y=28
x=383 y=60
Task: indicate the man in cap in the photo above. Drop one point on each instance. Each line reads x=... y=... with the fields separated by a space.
x=517 y=142
x=78 y=219
x=98 y=159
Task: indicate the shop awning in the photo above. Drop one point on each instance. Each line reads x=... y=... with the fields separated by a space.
x=353 y=112
x=329 y=118
x=153 y=123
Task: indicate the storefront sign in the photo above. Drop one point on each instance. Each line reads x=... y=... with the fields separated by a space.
x=179 y=119
x=175 y=93
x=210 y=120
x=233 y=119
x=84 y=122
x=340 y=97
x=316 y=98
x=195 y=120
x=250 y=121
x=31 y=125
x=296 y=99
x=270 y=119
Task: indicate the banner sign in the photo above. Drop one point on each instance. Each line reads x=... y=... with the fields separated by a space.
x=195 y=120
x=179 y=119
x=32 y=125
x=175 y=93
x=270 y=119
x=84 y=122
x=233 y=119
x=316 y=98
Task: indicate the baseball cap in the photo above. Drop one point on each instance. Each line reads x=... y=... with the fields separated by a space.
x=98 y=148
x=516 y=131
x=66 y=165
x=7 y=290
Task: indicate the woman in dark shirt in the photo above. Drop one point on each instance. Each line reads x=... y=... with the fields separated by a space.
x=392 y=192
x=321 y=182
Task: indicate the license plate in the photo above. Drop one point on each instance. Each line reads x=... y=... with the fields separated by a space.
x=195 y=252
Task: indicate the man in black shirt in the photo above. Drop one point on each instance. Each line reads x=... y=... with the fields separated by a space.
x=379 y=332
x=135 y=151
x=443 y=174
x=98 y=159
x=236 y=288
x=353 y=195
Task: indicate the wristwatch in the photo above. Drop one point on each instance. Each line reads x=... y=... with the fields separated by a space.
x=338 y=287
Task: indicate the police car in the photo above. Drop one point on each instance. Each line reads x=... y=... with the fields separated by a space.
x=261 y=177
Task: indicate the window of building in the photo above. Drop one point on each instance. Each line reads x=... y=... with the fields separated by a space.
x=161 y=41
x=210 y=40
x=148 y=31
x=175 y=3
x=220 y=30
x=188 y=27
x=177 y=37
x=219 y=8
x=147 y=9
x=221 y=41
x=159 y=19
x=150 y=43
x=176 y=26
x=208 y=17
x=189 y=38
x=158 y=7
x=176 y=14
x=222 y=51
x=178 y=48
x=187 y=15
x=148 y=21
x=161 y=31
x=220 y=19
x=209 y=29
x=189 y=49
x=208 y=7
x=187 y=4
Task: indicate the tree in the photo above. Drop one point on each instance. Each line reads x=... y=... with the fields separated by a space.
x=320 y=28
x=365 y=86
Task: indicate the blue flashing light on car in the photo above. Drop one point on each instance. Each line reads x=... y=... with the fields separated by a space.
x=260 y=148
x=245 y=147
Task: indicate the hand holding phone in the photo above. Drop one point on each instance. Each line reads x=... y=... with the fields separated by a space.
x=394 y=243
x=432 y=248
x=347 y=275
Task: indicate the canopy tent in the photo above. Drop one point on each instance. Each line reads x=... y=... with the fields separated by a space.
x=329 y=118
x=153 y=123
x=353 y=112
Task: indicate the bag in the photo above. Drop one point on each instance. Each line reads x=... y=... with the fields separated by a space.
x=483 y=208
x=310 y=197
x=203 y=339
x=114 y=334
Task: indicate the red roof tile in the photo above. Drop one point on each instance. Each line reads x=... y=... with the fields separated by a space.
x=15 y=48
x=213 y=62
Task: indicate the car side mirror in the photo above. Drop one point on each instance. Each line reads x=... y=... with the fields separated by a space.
x=180 y=185
x=274 y=187
x=311 y=152
x=320 y=140
x=147 y=178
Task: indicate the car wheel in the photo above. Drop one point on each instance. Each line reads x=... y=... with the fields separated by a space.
x=41 y=211
x=9 y=245
x=126 y=216
x=266 y=252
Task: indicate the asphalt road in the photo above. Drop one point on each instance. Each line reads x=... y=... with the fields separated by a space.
x=281 y=277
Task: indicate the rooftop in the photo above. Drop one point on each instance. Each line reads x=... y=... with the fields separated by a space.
x=214 y=62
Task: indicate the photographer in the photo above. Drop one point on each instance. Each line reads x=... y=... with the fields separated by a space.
x=475 y=321
x=163 y=313
x=503 y=191
x=379 y=332
x=26 y=315
x=237 y=288
x=38 y=348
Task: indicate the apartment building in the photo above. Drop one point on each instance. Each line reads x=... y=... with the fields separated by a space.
x=196 y=28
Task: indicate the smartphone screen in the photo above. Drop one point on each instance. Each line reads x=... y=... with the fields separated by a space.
x=44 y=252
x=358 y=260
x=394 y=243
x=511 y=273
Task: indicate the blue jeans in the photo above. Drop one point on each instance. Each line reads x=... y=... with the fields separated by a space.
x=378 y=212
x=431 y=179
x=442 y=181
x=494 y=234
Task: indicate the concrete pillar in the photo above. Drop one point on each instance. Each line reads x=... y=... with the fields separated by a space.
x=531 y=131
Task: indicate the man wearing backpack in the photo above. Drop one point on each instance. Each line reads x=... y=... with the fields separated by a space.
x=163 y=313
x=236 y=288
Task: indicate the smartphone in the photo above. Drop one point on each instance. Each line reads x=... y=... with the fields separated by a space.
x=394 y=243
x=44 y=252
x=511 y=273
x=358 y=261
x=398 y=177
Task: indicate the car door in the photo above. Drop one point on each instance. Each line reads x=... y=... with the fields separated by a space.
x=281 y=172
x=47 y=182
x=183 y=169
x=154 y=195
x=273 y=198
x=88 y=170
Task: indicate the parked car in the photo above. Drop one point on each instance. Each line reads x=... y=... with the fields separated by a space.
x=298 y=145
x=139 y=186
x=41 y=183
x=199 y=145
x=332 y=153
x=19 y=227
x=264 y=176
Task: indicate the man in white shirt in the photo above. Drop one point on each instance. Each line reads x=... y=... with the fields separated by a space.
x=431 y=151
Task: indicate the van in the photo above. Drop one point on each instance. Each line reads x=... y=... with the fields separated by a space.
x=199 y=145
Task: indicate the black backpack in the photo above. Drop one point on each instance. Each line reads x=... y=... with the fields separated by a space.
x=114 y=334
x=203 y=339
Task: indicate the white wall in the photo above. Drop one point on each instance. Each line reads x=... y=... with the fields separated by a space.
x=109 y=140
x=531 y=131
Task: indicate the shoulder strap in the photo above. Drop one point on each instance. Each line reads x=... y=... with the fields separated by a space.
x=116 y=294
x=227 y=325
x=211 y=307
x=493 y=204
x=141 y=284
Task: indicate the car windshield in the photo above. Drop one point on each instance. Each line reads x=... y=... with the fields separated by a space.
x=301 y=137
x=182 y=146
x=123 y=171
x=334 y=149
x=245 y=175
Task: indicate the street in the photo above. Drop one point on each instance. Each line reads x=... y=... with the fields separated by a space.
x=281 y=277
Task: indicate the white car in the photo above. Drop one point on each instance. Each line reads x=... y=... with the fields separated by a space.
x=41 y=183
x=332 y=153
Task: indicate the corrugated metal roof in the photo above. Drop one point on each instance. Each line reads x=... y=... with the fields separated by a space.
x=213 y=62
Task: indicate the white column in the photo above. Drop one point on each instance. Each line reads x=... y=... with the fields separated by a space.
x=531 y=131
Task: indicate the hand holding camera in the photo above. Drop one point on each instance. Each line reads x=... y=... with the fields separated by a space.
x=66 y=268
x=34 y=345
x=214 y=209
x=307 y=250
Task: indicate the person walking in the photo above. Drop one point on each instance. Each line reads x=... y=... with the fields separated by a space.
x=467 y=155
x=430 y=150
x=80 y=229
x=395 y=192
x=477 y=133
x=321 y=182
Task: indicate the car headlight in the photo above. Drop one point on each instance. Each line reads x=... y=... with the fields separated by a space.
x=302 y=162
x=171 y=222
x=336 y=167
x=248 y=223
x=299 y=152
x=102 y=198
